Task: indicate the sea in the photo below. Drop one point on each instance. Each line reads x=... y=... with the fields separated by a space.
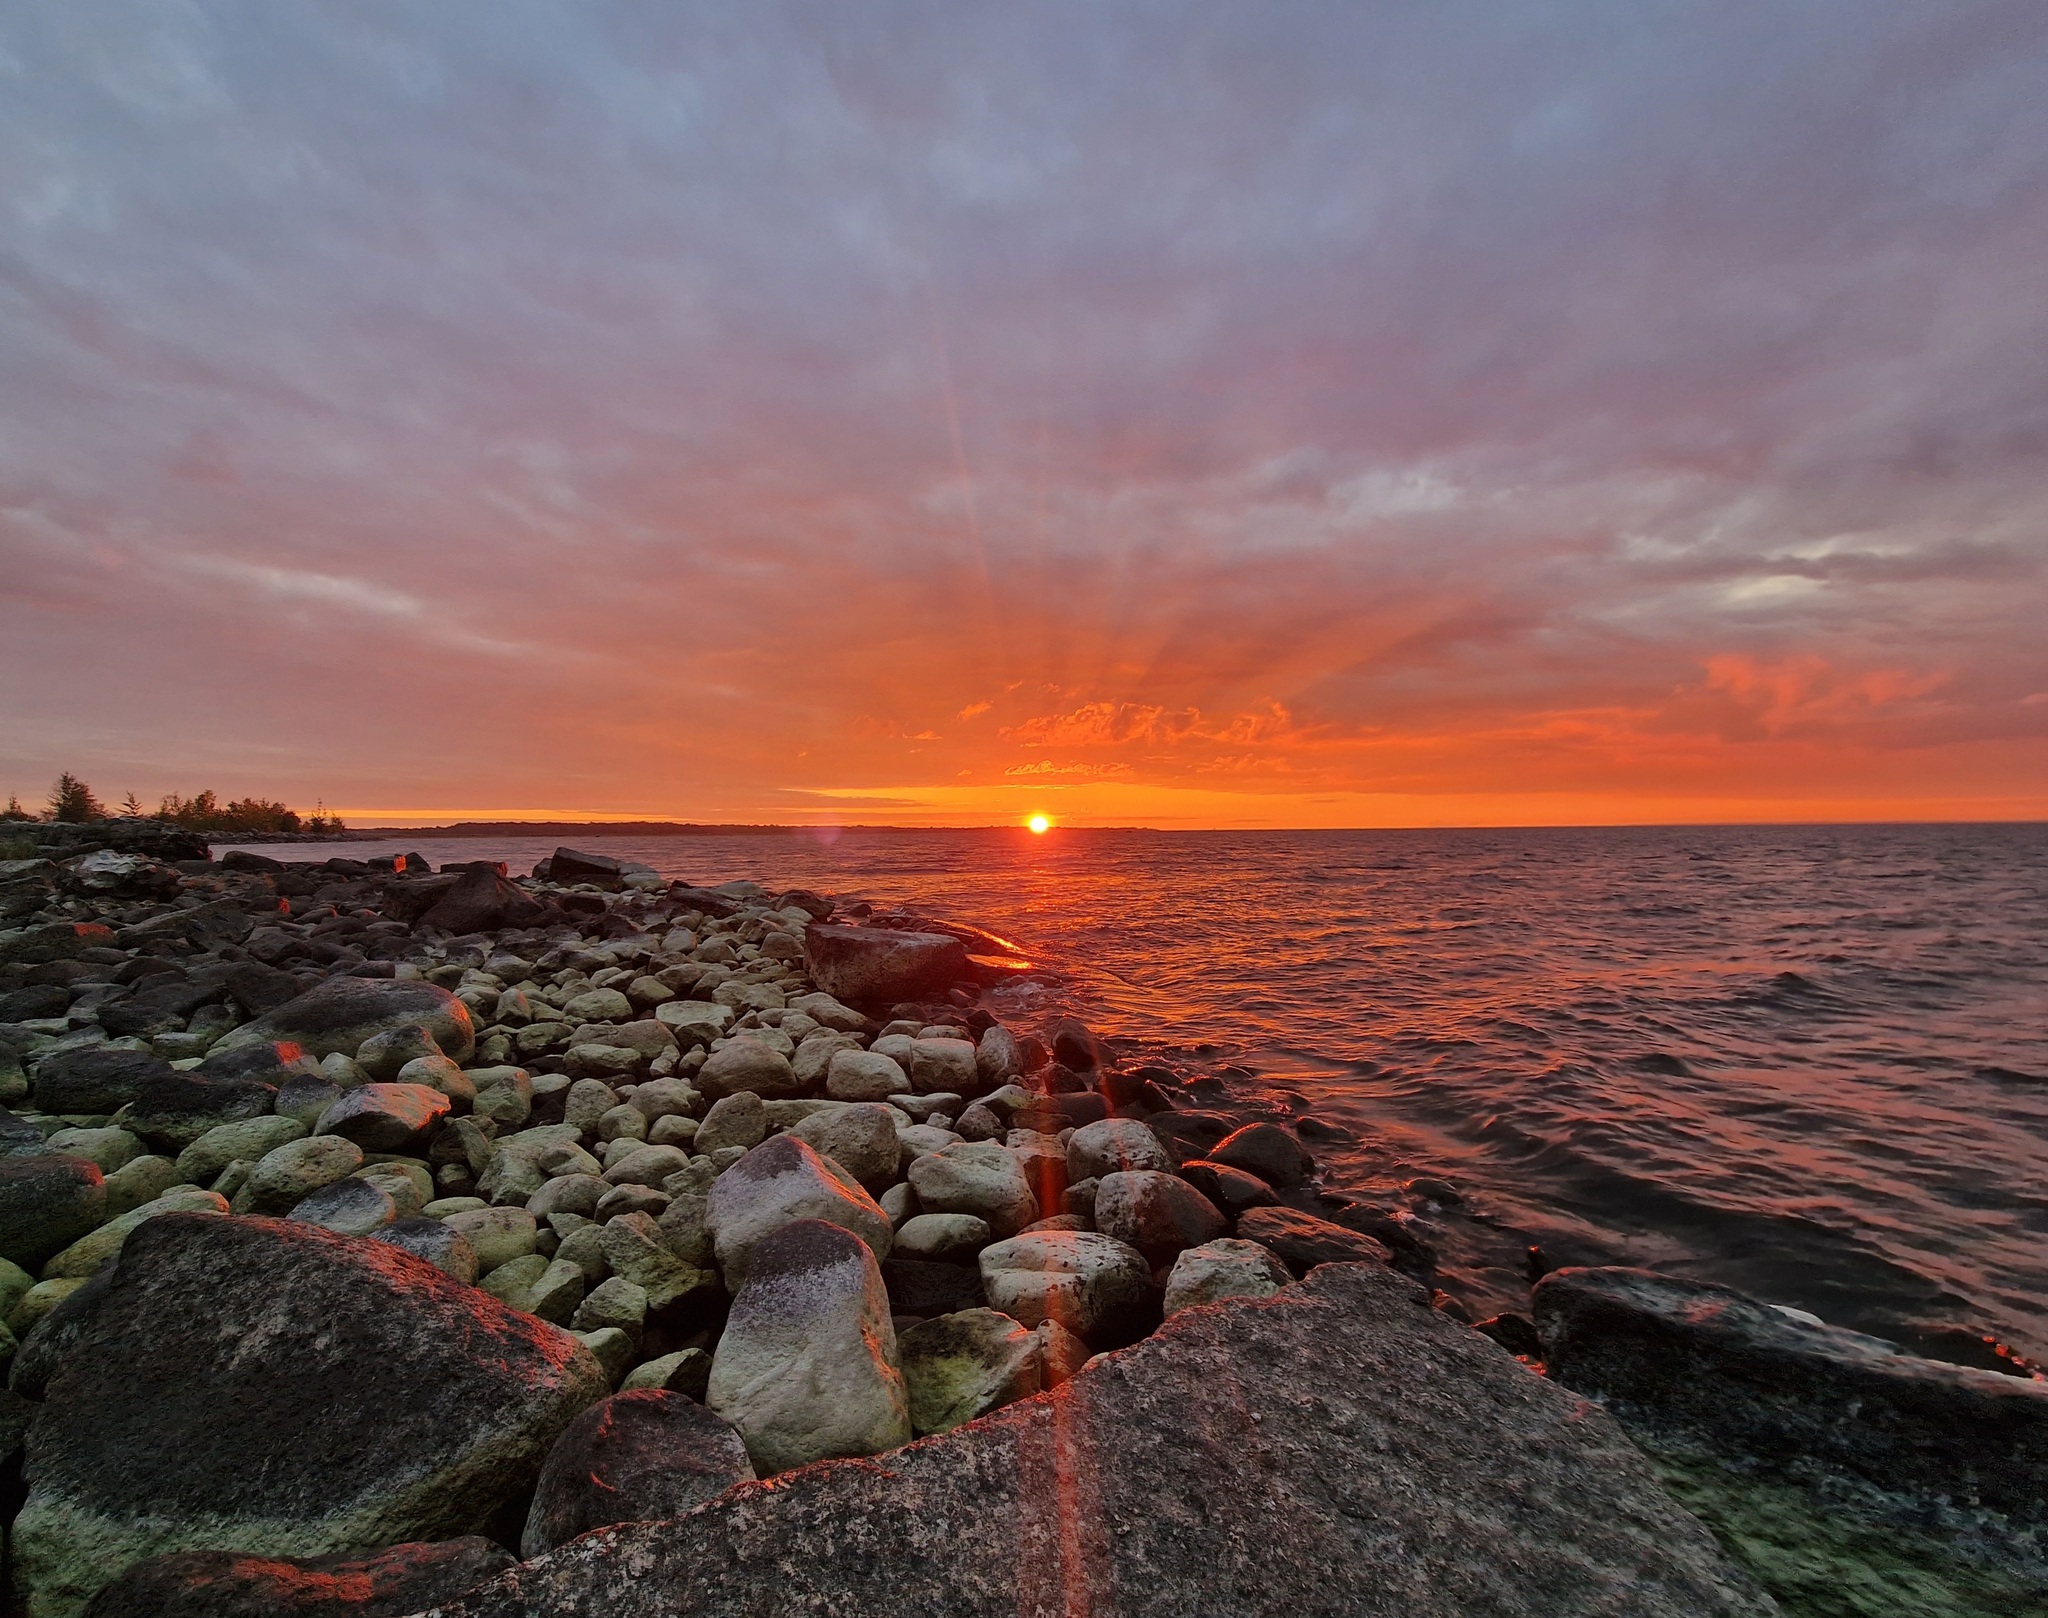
x=1809 y=1062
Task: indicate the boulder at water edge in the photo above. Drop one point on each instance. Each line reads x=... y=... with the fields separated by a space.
x=339 y=1014
x=255 y=1386
x=875 y=964
x=1414 y=1471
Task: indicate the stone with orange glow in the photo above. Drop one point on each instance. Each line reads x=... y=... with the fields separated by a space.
x=1099 y=1288
x=878 y=965
x=1159 y=1214
x=779 y=1182
x=341 y=1013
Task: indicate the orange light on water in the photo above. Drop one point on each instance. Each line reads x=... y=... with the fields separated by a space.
x=1039 y=824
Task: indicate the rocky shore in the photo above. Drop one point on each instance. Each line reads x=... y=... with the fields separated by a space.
x=376 y=1240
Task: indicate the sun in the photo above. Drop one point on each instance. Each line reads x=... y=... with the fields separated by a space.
x=1040 y=824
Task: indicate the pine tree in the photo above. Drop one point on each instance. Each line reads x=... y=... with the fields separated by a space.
x=14 y=810
x=71 y=799
x=131 y=807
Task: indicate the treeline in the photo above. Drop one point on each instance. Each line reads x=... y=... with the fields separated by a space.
x=72 y=800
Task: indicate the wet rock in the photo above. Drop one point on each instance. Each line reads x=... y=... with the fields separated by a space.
x=1266 y=1150
x=46 y=1203
x=860 y=1137
x=639 y=1456
x=778 y=1183
x=1515 y=1333
x=747 y=1064
x=1159 y=1214
x=226 y=1584
x=964 y=1365
x=806 y=1366
x=1302 y=1241
x=1705 y=1361
x=874 y=964
x=341 y=1013
x=1095 y=1286
x=1232 y=1190
x=93 y=1079
x=1226 y=1268
x=978 y=1178
x=998 y=1058
x=1111 y=1147
x=1419 y=1474
x=302 y=1335
x=1073 y=1046
x=385 y=1117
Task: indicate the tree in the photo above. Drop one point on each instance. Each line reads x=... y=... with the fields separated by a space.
x=131 y=807
x=14 y=810
x=72 y=799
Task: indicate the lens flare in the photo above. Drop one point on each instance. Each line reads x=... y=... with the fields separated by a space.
x=1040 y=824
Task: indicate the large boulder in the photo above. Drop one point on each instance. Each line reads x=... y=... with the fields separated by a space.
x=1418 y=1472
x=1745 y=1380
x=1302 y=1241
x=635 y=1457
x=979 y=1178
x=94 y=1079
x=1222 y=1269
x=1159 y=1214
x=46 y=1203
x=1267 y=1150
x=806 y=1367
x=1094 y=1285
x=173 y=1110
x=482 y=900
x=743 y=1064
x=226 y=1584
x=875 y=964
x=777 y=1183
x=384 y=1117
x=339 y=1014
x=860 y=1137
x=961 y=1366
x=1112 y=1146
x=254 y=1386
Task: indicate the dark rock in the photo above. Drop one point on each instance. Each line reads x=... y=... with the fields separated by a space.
x=1418 y=1474
x=55 y=941
x=50 y=1341
x=158 y=1010
x=94 y=1080
x=1412 y=1251
x=1302 y=1241
x=275 y=1062
x=385 y=1117
x=1189 y=1135
x=570 y=866
x=19 y=1137
x=1267 y=1150
x=236 y=859
x=204 y=927
x=1073 y=1046
x=1158 y=1214
x=47 y=1202
x=635 y=1457
x=260 y=989
x=225 y=1584
x=1515 y=1333
x=483 y=900
x=408 y=898
x=308 y=1393
x=34 y=1003
x=339 y=1014
x=1230 y=1189
x=1693 y=1358
x=1051 y=1114
x=172 y=1110
x=815 y=904
x=922 y=1287
x=877 y=964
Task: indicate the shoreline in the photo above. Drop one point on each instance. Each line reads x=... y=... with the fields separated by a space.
x=658 y=1004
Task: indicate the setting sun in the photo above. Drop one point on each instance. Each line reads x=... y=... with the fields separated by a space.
x=1040 y=824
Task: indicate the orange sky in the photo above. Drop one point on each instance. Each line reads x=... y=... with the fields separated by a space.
x=1201 y=418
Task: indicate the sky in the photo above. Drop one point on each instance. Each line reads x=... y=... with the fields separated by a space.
x=1584 y=411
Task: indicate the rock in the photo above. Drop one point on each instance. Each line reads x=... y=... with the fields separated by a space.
x=687 y=1371
x=173 y=1110
x=1159 y=1214
x=979 y=1122
x=568 y=1193
x=694 y=1022
x=942 y=1064
x=227 y=1584
x=303 y=1335
x=588 y=1101
x=613 y=1349
x=383 y=1055
x=385 y=1117
x=108 y=1150
x=926 y=1287
x=1230 y=1189
x=1113 y=1146
x=93 y=1079
x=615 y=1303
x=647 y=1165
x=483 y=900
x=306 y=1098
x=860 y=1137
x=46 y=1204
x=942 y=1238
x=1073 y=1046
x=998 y=1058
x=568 y=866
x=85 y=1256
x=1221 y=1269
x=639 y=1456
x=48 y=1343
x=635 y=1250
x=1420 y=1473
x=287 y=1175
x=738 y=1119
x=339 y=1014
x=747 y=1064
x=978 y=1178
x=829 y=1013
x=1752 y=1384
x=857 y=1075
x=1094 y=1285
x=349 y=1207
x=599 y=1005
x=435 y=1241
x=273 y=1063
x=143 y=1180
x=777 y=1183
x=964 y=1365
x=258 y=989
x=248 y=1140
x=1302 y=1241
x=1268 y=1151
x=874 y=964
x=499 y=1235
x=806 y=1366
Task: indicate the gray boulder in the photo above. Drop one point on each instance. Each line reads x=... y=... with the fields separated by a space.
x=876 y=964
x=857 y=1075
x=439 y=1243
x=1159 y=1214
x=1093 y=1285
x=46 y=1203
x=806 y=1367
x=640 y=1456
x=350 y=1207
x=385 y=1117
x=1221 y=1269
x=979 y=1178
x=242 y=1348
x=1302 y=1241
x=173 y=1110
x=93 y=1079
x=341 y=1013
x=1419 y=1473
x=1112 y=1145
x=747 y=1064
x=860 y=1137
x=739 y=1119
x=779 y=1182
x=961 y=1366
